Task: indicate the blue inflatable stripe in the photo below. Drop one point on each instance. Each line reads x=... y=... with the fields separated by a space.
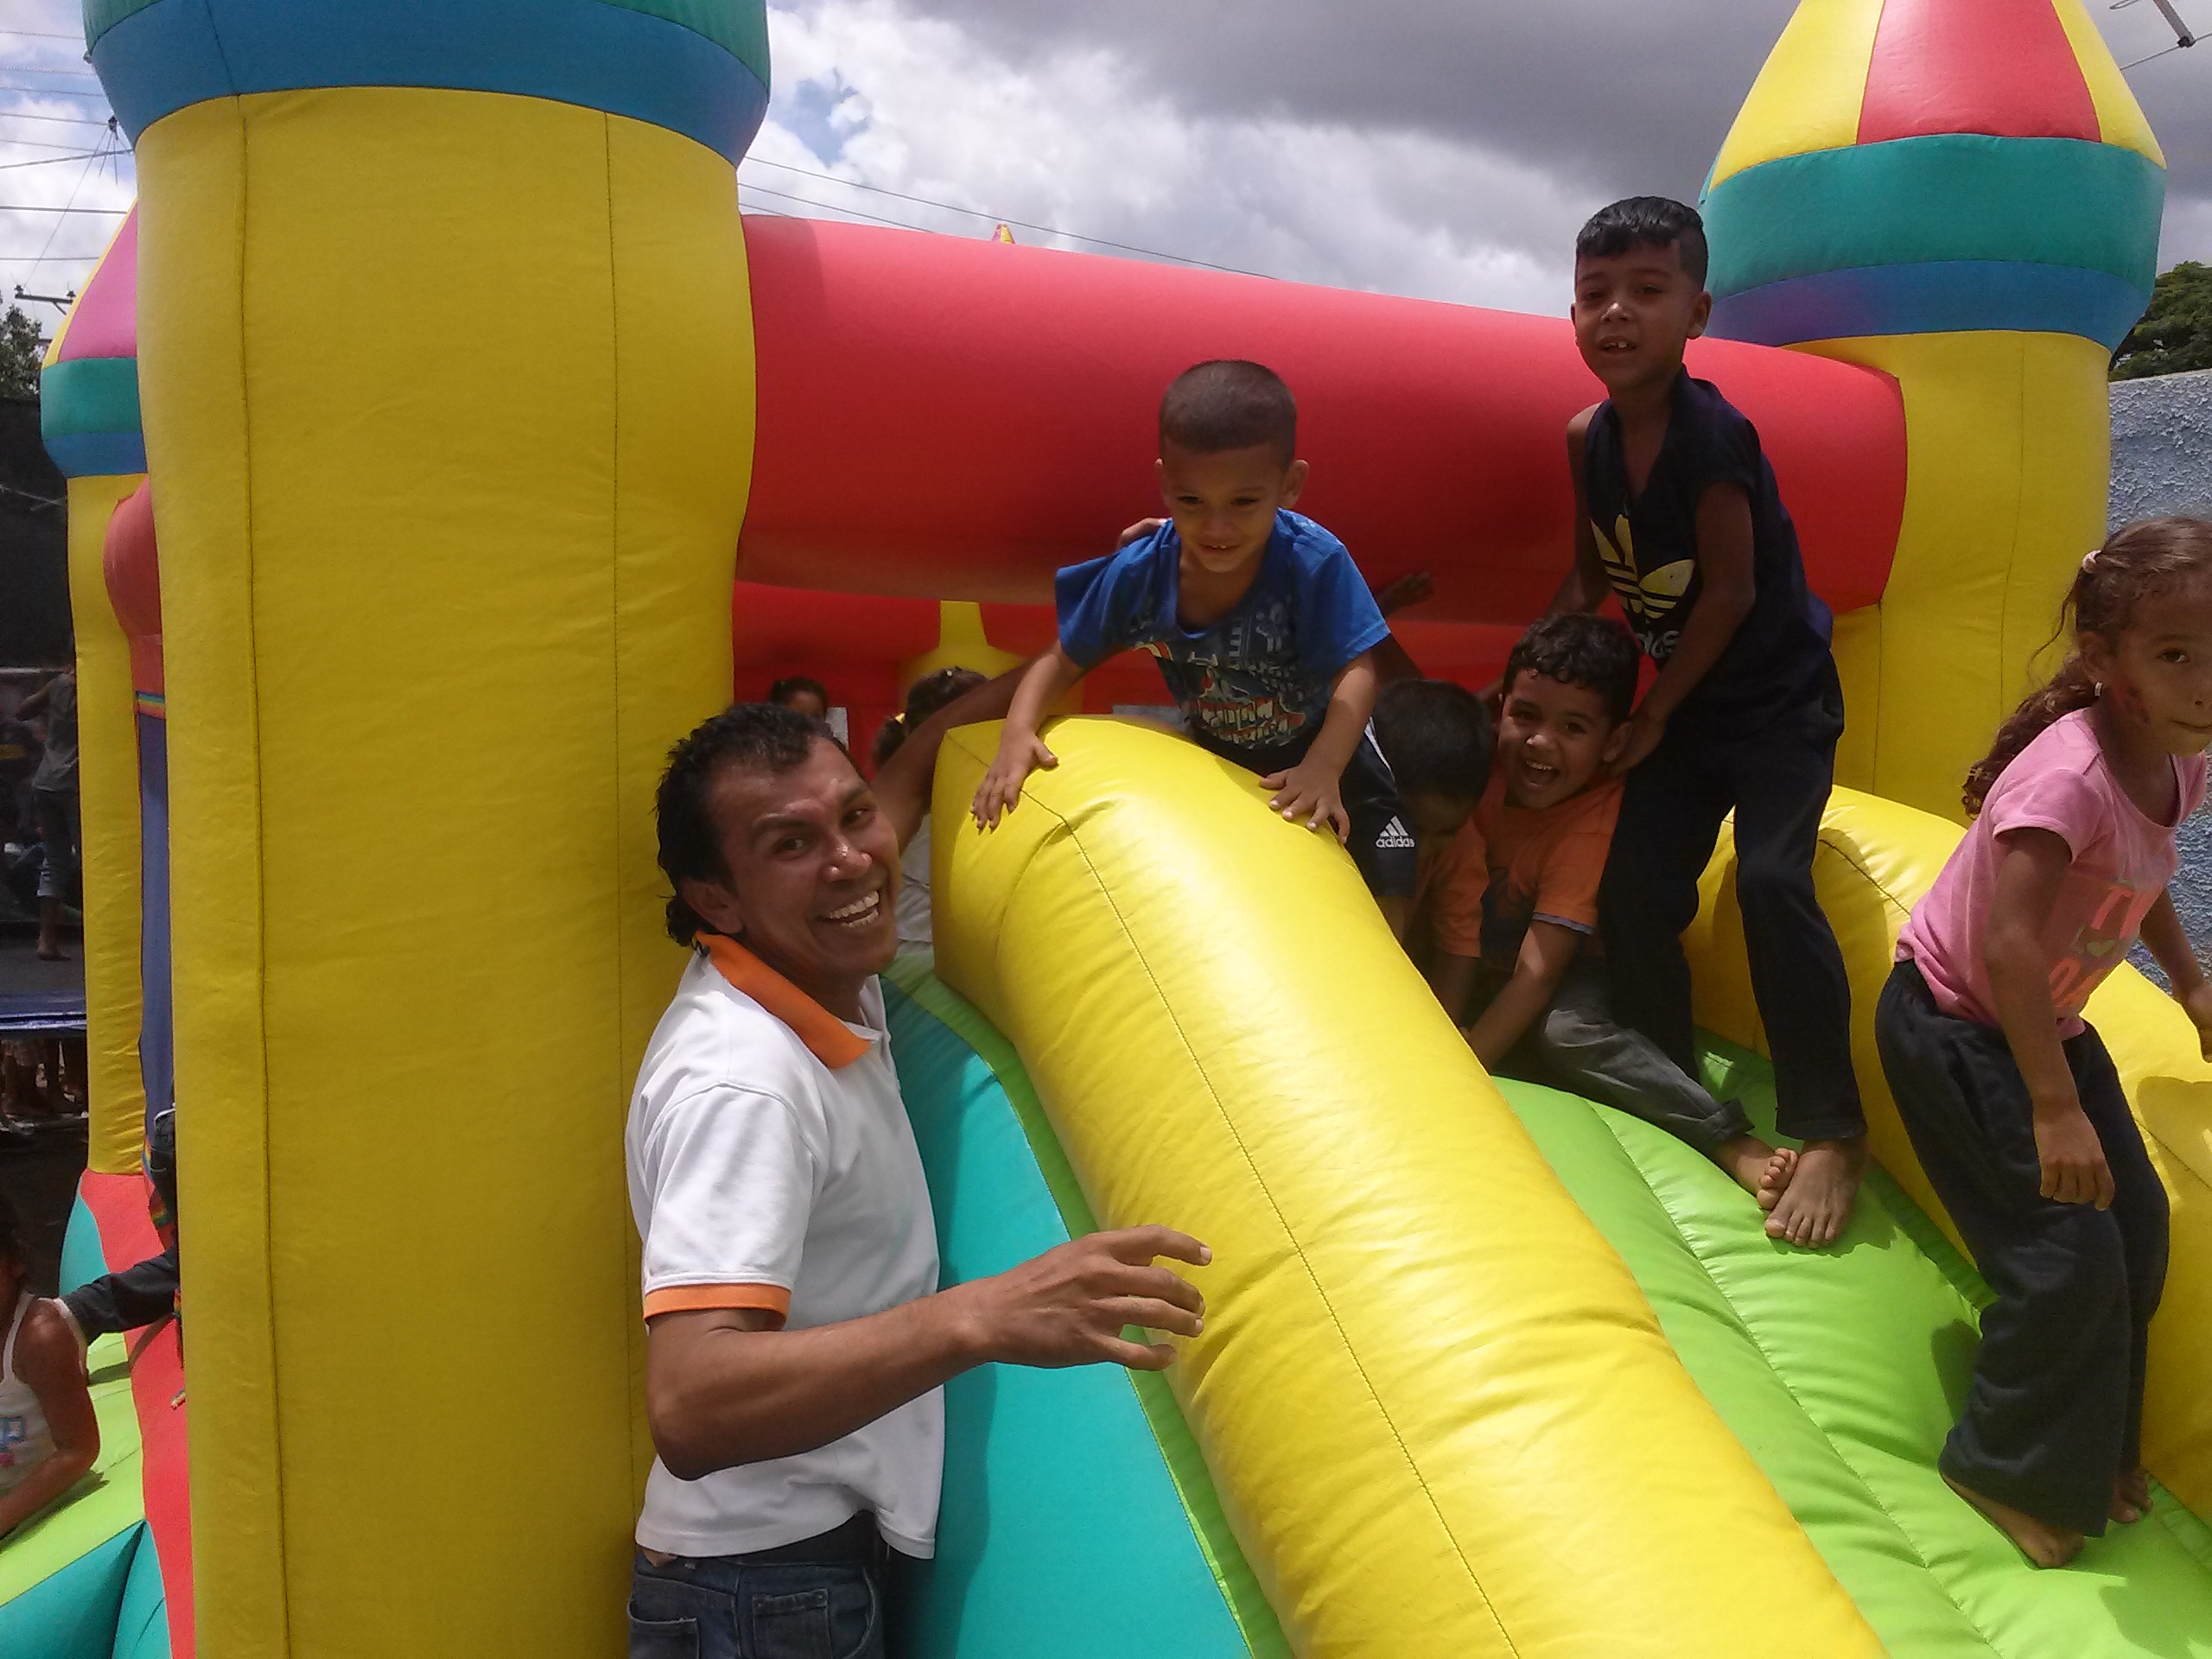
x=1948 y=296
x=99 y=455
x=176 y=52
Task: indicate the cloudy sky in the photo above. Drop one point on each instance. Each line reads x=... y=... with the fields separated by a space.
x=1422 y=146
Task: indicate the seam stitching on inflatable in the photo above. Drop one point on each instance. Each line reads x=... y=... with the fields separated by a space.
x=1297 y=1247
x=635 y=1334
x=2012 y=535
x=1837 y=843
x=261 y=863
x=1766 y=1357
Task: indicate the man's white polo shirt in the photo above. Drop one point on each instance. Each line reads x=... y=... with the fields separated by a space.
x=771 y=1166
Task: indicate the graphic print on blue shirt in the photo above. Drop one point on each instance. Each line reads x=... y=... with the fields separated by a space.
x=1253 y=686
x=1647 y=545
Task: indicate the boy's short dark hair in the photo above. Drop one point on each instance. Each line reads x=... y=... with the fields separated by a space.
x=785 y=690
x=1594 y=652
x=1648 y=221
x=939 y=690
x=12 y=1233
x=924 y=698
x=1436 y=737
x=1230 y=405
x=765 y=736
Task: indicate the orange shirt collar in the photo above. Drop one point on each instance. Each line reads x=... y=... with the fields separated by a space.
x=829 y=1038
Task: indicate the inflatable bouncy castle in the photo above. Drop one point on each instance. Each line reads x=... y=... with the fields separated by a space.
x=443 y=444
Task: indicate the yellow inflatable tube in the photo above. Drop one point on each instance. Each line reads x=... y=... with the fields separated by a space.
x=1876 y=859
x=1437 y=1407
x=107 y=784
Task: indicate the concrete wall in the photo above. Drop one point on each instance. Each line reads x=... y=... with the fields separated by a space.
x=2162 y=463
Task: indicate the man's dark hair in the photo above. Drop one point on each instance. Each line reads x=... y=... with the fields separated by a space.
x=1230 y=405
x=12 y=1233
x=1594 y=652
x=1646 y=221
x=1436 y=737
x=783 y=691
x=764 y=736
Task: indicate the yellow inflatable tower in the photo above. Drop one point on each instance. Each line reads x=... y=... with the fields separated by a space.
x=446 y=361
x=88 y=414
x=1962 y=193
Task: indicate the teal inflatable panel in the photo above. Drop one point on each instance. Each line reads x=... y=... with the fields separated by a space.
x=1063 y=1530
x=142 y=1623
x=82 y=1258
x=71 y=1614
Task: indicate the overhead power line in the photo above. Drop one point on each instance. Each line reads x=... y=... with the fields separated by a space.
x=59 y=120
x=2183 y=37
x=53 y=92
x=52 y=161
x=28 y=207
x=107 y=144
x=829 y=207
x=977 y=213
x=42 y=35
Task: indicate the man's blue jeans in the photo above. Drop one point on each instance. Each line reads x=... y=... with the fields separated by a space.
x=730 y=1607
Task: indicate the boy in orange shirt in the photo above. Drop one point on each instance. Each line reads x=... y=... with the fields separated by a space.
x=1513 y=904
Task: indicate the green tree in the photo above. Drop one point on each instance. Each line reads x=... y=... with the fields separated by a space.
x=2175 y=333
x=20 y=351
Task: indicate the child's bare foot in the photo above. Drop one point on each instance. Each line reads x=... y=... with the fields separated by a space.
x=2130 y=1496
x=1774 y=1180
x=2041 y=1542
x=1756 y=1166
x=1816 y=1201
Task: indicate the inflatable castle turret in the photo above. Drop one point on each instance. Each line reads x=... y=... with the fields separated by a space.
x=1963 y=195
x=445 y=350
x=486 y=441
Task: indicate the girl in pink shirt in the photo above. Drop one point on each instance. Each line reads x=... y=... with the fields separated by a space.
x=2010 y=1098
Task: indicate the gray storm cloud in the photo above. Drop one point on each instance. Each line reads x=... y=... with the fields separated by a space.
x=1609 y=99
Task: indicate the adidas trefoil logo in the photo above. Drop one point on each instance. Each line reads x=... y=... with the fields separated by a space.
x=1394 y=834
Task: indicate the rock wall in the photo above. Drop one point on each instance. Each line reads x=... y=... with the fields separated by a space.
x=2162 y=463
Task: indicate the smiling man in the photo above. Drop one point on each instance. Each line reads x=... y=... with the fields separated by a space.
x=798 y=1338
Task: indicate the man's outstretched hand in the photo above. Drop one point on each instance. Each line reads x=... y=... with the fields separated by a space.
x=1069 y=1305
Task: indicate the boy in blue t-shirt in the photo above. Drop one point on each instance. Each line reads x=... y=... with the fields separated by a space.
x=1679 y=515
x=1263 y=626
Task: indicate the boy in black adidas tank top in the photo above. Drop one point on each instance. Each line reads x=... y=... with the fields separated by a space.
x=1679 y=515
